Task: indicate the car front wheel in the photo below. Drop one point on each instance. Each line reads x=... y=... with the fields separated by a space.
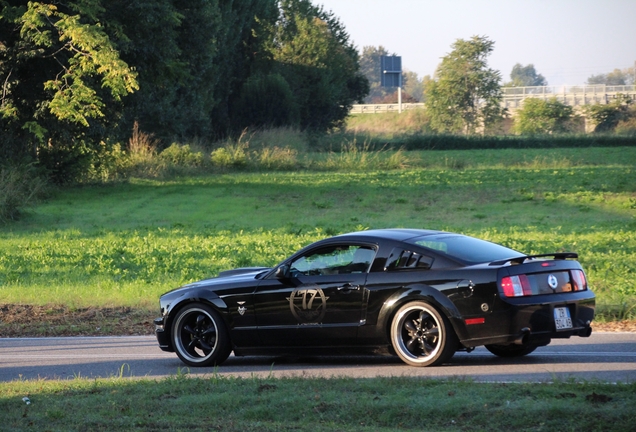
x=199 y=336
x=421 y=336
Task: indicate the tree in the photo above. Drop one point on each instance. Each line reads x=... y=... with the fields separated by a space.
x=465 y=94
x=616 y=77
x=538 y=116
x=62 y=75
x=525 y=76
x=193 y=58
x=312 y=51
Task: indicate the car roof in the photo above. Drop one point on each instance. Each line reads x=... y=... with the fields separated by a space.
x=398 y=234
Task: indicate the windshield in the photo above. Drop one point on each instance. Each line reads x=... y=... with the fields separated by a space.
x=467 y=249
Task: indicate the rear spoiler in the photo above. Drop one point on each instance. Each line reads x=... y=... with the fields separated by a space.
x=521 y=259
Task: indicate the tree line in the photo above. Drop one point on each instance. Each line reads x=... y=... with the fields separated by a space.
x=464 y=95
x=76 y=76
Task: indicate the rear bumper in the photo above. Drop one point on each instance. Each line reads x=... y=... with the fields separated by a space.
x=531 y=320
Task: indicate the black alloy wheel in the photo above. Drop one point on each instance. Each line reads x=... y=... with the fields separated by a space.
x=200 y=336
x=421 y=336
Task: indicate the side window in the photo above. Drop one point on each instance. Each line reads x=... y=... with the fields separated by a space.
x=341 y=259
x=404 y=259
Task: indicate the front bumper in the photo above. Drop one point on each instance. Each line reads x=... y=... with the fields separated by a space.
x=162 y=336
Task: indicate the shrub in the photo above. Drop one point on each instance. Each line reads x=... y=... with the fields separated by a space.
x=231 y=155
x=607 y=116
x=181 y=155
x=627 y=126
x=539 y=116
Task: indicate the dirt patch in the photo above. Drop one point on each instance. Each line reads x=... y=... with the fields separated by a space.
x=60 y=320
x=614 y=326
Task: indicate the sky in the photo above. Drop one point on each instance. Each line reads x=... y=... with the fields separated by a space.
x=567 y=41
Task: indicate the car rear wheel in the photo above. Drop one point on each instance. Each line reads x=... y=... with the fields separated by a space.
x=421 y=336
x=512 y=350
x=199 y=336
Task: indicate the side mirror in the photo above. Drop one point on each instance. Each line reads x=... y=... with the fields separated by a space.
x=282 y=272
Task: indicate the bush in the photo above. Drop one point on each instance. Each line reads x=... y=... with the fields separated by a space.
x=181 y=155
x=231 y=155
x=19 y=187
x=538 y=117
x=627 y=127
x=607 y=116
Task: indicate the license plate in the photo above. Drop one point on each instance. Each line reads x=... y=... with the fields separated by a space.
x=562 y=318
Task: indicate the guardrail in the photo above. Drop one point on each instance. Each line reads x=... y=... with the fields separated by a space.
x=383 y=108
x=512 y=97
x=569 y=95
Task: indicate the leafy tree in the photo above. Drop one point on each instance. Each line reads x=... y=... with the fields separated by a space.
x=312 y=51
x=616 y=77
x=525 y=76
x=62 y=76
x=538 y=116
x=607 y=116
x=465 y=94
x=193 y=59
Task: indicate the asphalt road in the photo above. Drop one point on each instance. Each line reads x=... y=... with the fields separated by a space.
x=607 y=357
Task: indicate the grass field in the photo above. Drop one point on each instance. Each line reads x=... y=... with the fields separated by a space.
x=310 y=404
x=123 y=244
x=93 y=259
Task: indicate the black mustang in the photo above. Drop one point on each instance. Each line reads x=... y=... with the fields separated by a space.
x=420 y=294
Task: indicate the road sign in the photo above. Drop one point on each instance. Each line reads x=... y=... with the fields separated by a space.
x=391 y=71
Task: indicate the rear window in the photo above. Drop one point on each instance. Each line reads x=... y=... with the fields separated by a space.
x=470 y=250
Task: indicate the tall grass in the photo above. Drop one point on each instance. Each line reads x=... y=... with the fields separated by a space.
x=355 y=157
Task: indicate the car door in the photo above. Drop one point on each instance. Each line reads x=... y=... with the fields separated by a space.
x=319 y=301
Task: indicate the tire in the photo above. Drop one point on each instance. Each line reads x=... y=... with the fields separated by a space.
x=512 y=350
x=421 y=336
x=199 y=336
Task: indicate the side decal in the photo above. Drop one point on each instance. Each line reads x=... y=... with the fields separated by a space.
x=308 y=304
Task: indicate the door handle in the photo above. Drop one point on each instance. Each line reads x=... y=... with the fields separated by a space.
x=349 y=287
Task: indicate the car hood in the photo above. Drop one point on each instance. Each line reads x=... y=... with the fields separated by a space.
x=233 y=277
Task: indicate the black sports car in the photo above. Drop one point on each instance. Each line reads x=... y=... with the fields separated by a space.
x=420 y=294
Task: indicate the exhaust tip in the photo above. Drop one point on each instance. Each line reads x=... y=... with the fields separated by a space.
x=586 y=332
x=523 y=337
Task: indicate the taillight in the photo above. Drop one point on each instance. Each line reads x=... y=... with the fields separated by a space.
x=516 y=286
x=580 y=282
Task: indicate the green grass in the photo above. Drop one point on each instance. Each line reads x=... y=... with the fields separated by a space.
x=124 y=244
x=313 y=404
